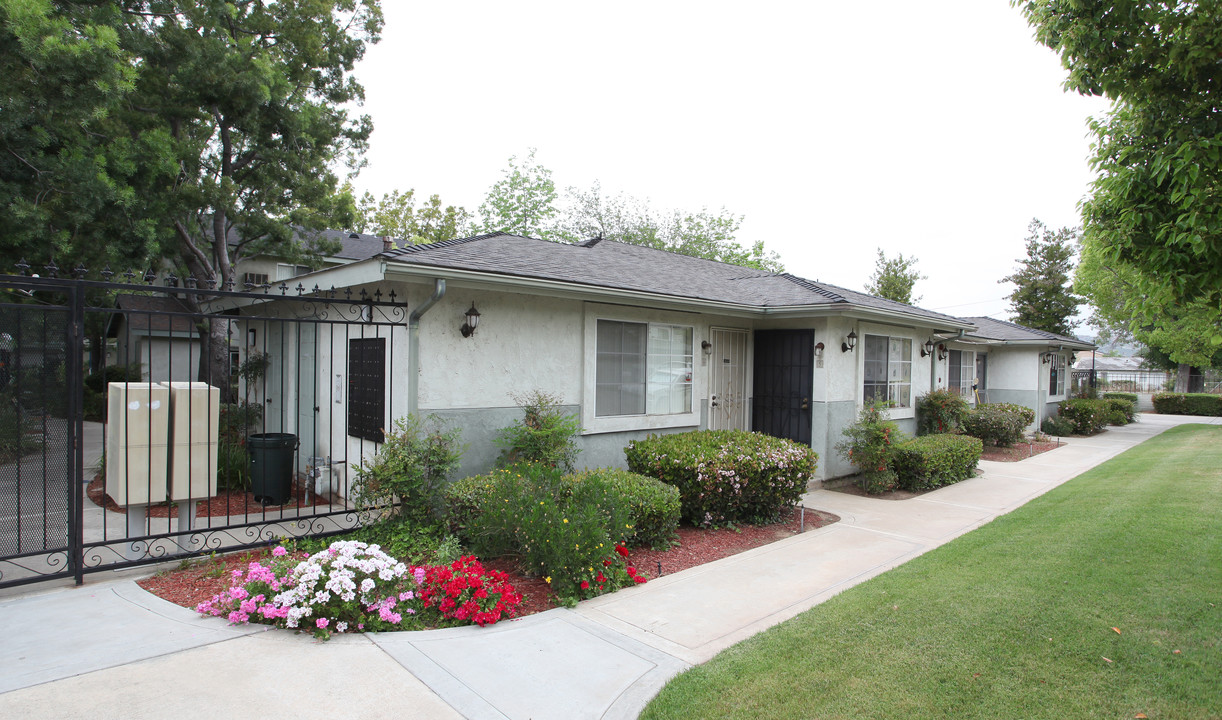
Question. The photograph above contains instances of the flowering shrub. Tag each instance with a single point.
(941, 411)
(1170, 403)
(561, 527)
(869, 447)
(349, 587)
(464, 590)
(999, 424)
(1088, 416)
(931, 461)
(726, 476)
(412, 467)
(652, 505)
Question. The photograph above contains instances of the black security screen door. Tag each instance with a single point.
(784, 368)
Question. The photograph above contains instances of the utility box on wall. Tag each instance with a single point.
(137, 447)
(195, 409)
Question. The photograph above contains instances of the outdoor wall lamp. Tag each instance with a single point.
(472, 316)
(849, 343)
(251, 337)
(927, 348)
(941, 351)
(818, 349)
(707, 347)
(1045, 358)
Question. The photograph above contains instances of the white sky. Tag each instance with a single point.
(933, 129)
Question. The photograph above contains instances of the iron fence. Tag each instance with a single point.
(147, 418)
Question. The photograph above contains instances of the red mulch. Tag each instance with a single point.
(203, 579)
(224, 503)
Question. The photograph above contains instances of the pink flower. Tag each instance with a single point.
(279, 551)
(322, 623)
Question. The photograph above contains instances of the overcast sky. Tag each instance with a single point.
(930, 129)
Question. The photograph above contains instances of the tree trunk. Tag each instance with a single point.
(1181, 378)
(214, 355)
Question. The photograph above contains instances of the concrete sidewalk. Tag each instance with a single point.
(110, 650)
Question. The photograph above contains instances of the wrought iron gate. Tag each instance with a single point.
(96, 474)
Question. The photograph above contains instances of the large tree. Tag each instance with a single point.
(66, 165)
(522, 202)
(1043, 296)
(1156, 205)
(396, 215)
(894, 278)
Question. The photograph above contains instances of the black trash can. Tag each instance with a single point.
(271, 466)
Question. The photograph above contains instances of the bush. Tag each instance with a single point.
(1088, 416)
(97, 387)
(562, 529)
(726, 476)
(999, 424)
(1058, 426)
(545, 434)
(931, 461)
(411, 467)
(1119, 412)
(869, 445)
(652, 505)
(941, 411)
(1125, 403)
(1188, 404)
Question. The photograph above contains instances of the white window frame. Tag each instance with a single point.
(592, 423)
(1058, 367)
(967, 373)
(896, 411)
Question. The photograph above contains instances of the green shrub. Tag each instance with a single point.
(1058, 426)
(1088, 416)
(941, 411)
(97, 387)
(14, 440)
(411, 467)
(1188, 404)
(869, 444)
(545, 434)
(932, 461)
(999, 424)
(1119, 412)
(726, 476)
(232, 458)
(562, 528)
(1125, 403)
(652, 505)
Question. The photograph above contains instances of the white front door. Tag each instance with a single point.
(728, 379)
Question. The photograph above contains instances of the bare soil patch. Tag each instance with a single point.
(199, 580)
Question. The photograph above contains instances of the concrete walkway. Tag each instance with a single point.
(110, 650)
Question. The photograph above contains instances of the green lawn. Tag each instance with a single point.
(1015, 620)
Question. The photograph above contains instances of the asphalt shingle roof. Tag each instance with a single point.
(621, 266)
(990, 329)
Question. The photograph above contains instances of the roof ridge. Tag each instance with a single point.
(814, 287)
(421, 247)
(1015, 325)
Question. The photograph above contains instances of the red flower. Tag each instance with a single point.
(585, 585)
(631, 571)
(601, 578)
(639, 578)
(623, 551)
(606, 563)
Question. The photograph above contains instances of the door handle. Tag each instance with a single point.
(806, 403)
(712, 401)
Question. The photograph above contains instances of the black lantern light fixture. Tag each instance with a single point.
(706, 347)
(472, 316)
(927, 348)
(942, 351)
(819, 349)
(849, 343)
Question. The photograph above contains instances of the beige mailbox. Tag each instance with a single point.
(195, 409)
(137, 434)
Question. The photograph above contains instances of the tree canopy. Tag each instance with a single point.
(1043, 297)
(396, 215)
(1155, 208)
(894, 278)
(522, 202)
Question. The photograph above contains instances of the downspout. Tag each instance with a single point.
(413, 345)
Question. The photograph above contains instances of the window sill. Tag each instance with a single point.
(628, 423)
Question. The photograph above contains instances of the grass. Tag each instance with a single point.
(1015, 620)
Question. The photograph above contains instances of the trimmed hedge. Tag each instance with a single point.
(999, 423)
(931, 461)
(652, 505)
(1131, 397)
(1188, 404)
(1119, 412)
(726, 476)
(1088, 416)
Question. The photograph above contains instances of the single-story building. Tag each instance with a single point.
(633, 341)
